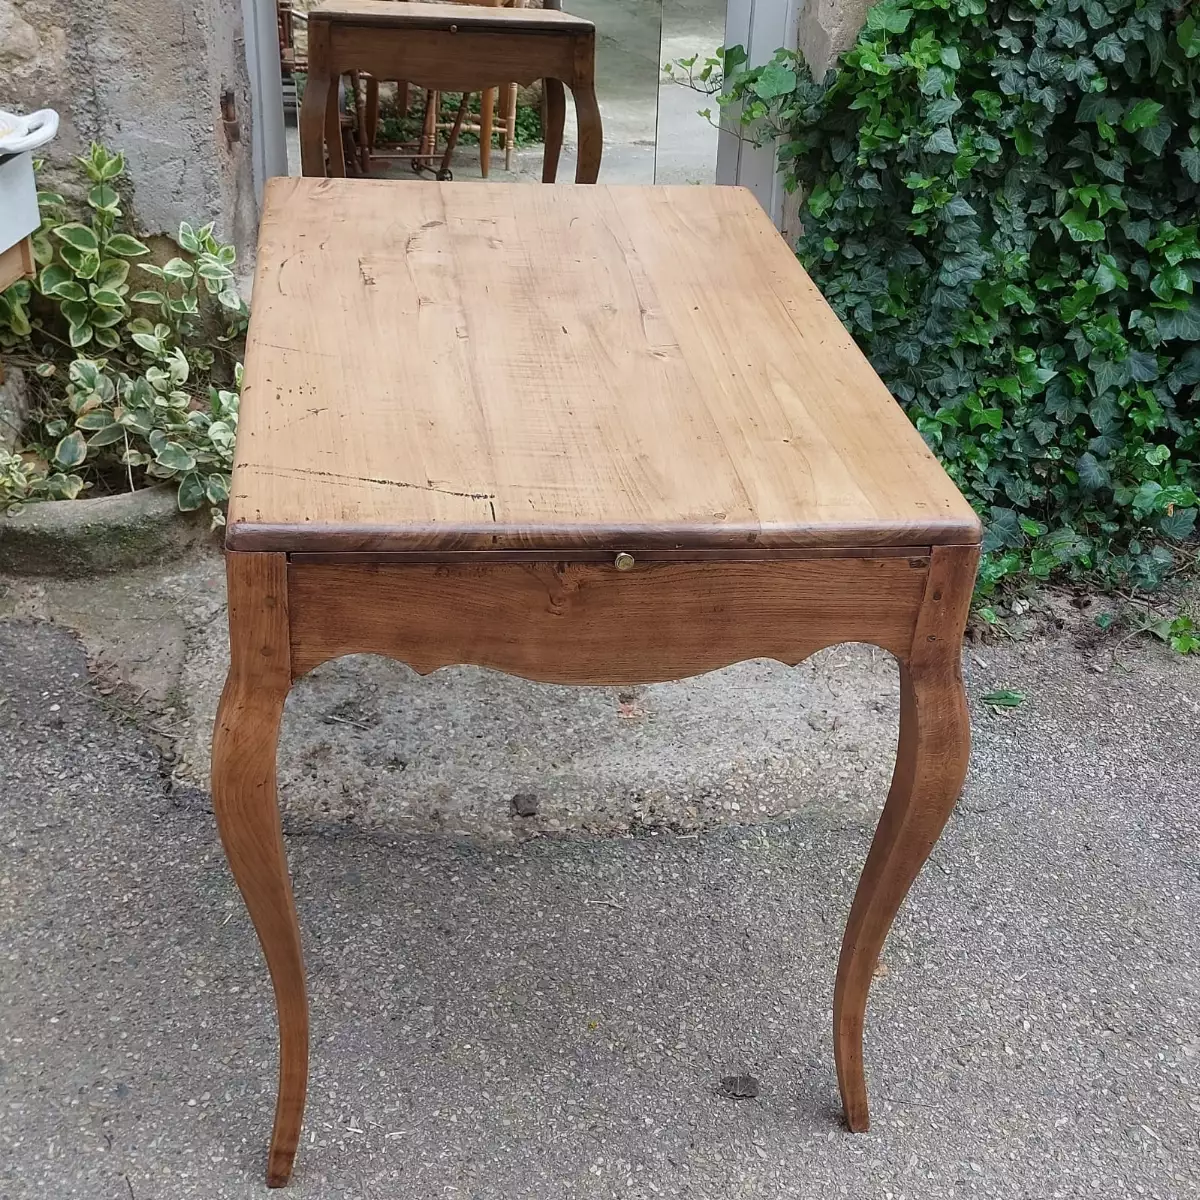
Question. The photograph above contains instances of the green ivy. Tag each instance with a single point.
(1001, 203)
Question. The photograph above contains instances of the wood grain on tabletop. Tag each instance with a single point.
(485, 15)
(450, 366)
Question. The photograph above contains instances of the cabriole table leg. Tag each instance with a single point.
(247, 812)
(931, 763)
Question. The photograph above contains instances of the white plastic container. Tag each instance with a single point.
(19, 137)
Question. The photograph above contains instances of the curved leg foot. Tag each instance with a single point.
(931, 763)
(554, 120)
(247, 812)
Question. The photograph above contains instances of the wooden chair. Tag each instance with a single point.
(484, 127)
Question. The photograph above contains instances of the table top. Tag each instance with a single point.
(444, 367)
(420, 14)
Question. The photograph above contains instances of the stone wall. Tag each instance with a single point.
(827, 28)
(145, 77)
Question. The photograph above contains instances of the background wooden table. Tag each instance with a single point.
(451, 48)
(583, 435)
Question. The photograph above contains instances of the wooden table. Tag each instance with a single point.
(16, 262)
(601, 435)
(451, 48)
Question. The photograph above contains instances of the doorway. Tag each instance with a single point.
(653, 131)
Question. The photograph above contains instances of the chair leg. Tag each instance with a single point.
(487, 113)
(372, 119)
(361, 133)
(931, 763)
(510, 125)
(428, 141)
(334, 138)
(247, 813)
(554, 119)
(452, 137)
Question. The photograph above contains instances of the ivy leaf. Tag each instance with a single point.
(191, 492)
(105, 199)
(1066, 545)
(1079, 70)
(941, 141)
(1003, 529)
(107, 435)
(70, 290)
(177, 268)
(1106, 279)
(71, 451)
(83, 263)
(1189, 159)
(942, 109)
(52, 278)
(1091, 474)
(79, 237)
(1188, 36)
(1179, 322)
(106, 298)
(125, 246)
(1141, 115)
(1155, 137)
(933, 81)
(1069, 33)
(1178, 524)
(1142, 366)
(1103, 412)
(890, 16)
(1080, 227)
(1187, 370)
(79, 335)
(775, 80)
(97, 418)
(187, 238)
(175, 457)
(216, 488)
(111, 273)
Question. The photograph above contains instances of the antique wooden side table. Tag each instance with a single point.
(603, 435)
(451, 48)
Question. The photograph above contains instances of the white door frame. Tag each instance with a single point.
(267, 143)
(761, 26)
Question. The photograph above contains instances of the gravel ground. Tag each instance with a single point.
(551, 1018)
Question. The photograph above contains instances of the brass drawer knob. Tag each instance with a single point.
(623, 561)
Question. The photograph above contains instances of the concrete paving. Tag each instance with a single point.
(366, 741)
(551, 1017)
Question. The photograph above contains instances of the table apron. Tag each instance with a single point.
(589, 623)
(467, 60)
